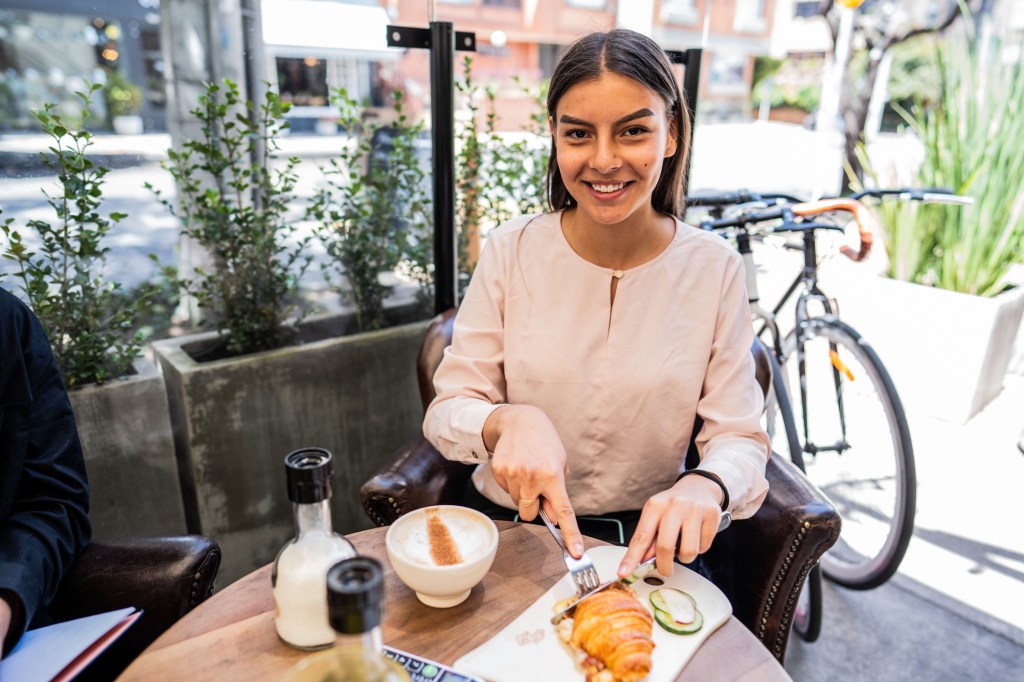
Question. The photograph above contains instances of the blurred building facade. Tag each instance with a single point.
(51, 48)
(524, 38)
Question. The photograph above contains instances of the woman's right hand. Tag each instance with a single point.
(530, 464)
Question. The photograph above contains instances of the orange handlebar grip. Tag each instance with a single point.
(866, 223)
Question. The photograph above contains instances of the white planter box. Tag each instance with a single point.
(128, 125)
(947, 352)
(125, 428)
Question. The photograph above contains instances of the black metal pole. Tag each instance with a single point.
(442, 116)
(691, 89)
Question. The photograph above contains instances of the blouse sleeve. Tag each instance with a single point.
(470, 381)
(732, 443)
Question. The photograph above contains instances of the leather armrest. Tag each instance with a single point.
(761, 562)
(417, 476)
(164, 576)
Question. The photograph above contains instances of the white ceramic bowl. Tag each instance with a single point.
(441, 586)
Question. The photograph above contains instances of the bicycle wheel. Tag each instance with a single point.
(807, 614)
(856, 449)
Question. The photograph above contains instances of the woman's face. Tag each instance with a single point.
(611, 136)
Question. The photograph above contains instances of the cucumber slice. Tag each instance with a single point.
(640, 572)
(666, 621)
(677, 603)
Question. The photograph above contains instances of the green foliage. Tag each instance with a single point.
(93, 326)
(972, 139)
(793, 82)
(468, 173)
(497, 176)
(124, 98)
(373, 214)
(915, 76)
(234, 205)
(764, 67)
(806, 97)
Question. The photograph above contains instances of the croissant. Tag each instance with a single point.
(613, 627)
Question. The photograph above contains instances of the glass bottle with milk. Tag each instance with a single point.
(301, 566)
(355, 595)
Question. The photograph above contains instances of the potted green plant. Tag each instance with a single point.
(118, 397)
(124, 103)
(264, 383)
(950, 266)
(372, 213)
(498, 175)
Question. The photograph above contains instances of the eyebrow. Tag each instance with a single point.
(639, 113)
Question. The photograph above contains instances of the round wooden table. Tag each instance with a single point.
(231, 636)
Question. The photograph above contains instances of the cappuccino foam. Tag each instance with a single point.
(419, 541)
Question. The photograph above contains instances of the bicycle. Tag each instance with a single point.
(823, 355)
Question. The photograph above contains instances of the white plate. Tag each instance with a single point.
(529, 649)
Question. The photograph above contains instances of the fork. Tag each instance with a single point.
(582, 570)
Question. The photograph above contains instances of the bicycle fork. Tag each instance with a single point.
(840, 371)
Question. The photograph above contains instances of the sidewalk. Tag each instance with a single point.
(153, 146)
(953, 612)
(19, 154)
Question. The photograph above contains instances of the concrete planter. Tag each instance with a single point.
(125, 429)
(235, 419)
(128, 125)
(947, 352)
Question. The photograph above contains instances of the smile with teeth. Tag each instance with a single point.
(608, 188)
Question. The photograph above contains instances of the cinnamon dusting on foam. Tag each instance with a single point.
(443, 549)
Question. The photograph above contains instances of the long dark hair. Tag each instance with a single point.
(633, 55)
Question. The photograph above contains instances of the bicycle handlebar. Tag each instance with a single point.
(928, 195)
(787, 206)
(937, 195)
(866, 223)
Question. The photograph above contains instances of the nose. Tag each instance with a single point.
(606, 157)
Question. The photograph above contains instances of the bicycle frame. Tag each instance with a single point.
(812, 293)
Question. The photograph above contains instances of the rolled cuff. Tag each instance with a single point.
(740, 463)
(456, 428)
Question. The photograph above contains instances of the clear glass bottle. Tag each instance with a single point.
(301, 566)
(355, 595)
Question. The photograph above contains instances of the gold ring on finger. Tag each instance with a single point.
(527, 503)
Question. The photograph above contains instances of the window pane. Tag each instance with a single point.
(303, 82)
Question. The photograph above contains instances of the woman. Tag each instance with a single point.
(592, 336)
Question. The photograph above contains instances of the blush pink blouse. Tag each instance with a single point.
(621, 383)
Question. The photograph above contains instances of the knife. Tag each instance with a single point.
(723, 523)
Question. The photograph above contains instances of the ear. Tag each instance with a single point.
(672, 143)
(551, 125)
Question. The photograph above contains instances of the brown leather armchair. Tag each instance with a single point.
(165, 577)
(759, 563)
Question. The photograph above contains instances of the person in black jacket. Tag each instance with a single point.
(44, 493)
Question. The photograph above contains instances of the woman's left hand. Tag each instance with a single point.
(687, 513)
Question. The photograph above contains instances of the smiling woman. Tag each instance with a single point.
(610, 159)
(592, 337)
